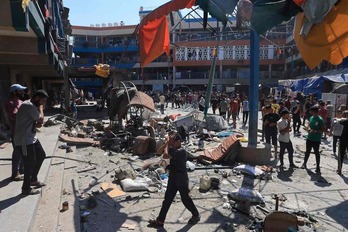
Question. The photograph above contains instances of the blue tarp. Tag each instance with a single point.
(314, 85)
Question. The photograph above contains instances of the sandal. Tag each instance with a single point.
(37, 184)
(30, 192)
(154, 223)
(17, 178)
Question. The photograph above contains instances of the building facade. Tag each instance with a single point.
(33, 44)
(190, 55)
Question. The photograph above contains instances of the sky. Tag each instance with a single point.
(87, 12)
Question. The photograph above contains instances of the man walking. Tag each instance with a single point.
(30, 116)
(245, 105)
(11, 107)
(234, 111)
(296, 115)
(178, 181)
(316, 127)
(284, 127)
(271, 131)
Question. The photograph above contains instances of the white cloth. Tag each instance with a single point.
(337, 127)
(284, 136)
(162, 100)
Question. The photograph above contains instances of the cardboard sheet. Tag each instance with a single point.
(112, 190)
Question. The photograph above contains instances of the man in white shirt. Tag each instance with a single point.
(284, 127)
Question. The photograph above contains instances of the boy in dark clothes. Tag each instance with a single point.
(178, 181)
(270, 126)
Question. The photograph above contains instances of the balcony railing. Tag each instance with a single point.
(267, 52)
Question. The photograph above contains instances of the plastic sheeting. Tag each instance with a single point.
(313, 85)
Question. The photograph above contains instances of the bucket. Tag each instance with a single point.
(205, 183)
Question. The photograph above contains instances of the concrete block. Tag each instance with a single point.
(260, 155)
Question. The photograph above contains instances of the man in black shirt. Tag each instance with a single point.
(343, 143)
(270, 126)
(307, 115)
(178, 181)
(296, 116)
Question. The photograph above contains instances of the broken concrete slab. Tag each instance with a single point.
(260, 155)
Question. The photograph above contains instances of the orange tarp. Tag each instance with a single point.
(154, 40)
(154, 31)
(325, 41)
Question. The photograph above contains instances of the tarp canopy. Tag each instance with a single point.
(325, 41)
(120, 103)
(314, 85)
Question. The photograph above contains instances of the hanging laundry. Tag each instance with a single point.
(315, 12)
(327, 40)
(270, 13)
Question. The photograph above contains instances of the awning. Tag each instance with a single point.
(270, 13)
(327, 40)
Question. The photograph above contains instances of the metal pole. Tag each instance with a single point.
(254, 87)
(67, 87)
(210, 83)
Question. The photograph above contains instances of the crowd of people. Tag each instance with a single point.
(320, 119)
(282, 117)
(229, 106)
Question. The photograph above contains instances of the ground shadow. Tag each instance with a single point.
(185, 228)
(10, 201)
(284, 175)
(345, 179)
(322, 182)
(339, 213)
(5, 182)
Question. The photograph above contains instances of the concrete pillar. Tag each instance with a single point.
(270, 70)
(174, 77)
(186, 55)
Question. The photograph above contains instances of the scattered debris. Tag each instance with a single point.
(245, 194)
(87, 169)
(249, 170)
(128, 226)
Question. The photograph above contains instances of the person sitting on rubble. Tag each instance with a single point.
(178, 181)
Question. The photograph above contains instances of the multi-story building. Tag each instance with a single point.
(190, 55)
(33, 44)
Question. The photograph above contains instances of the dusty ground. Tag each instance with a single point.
(323, 196)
